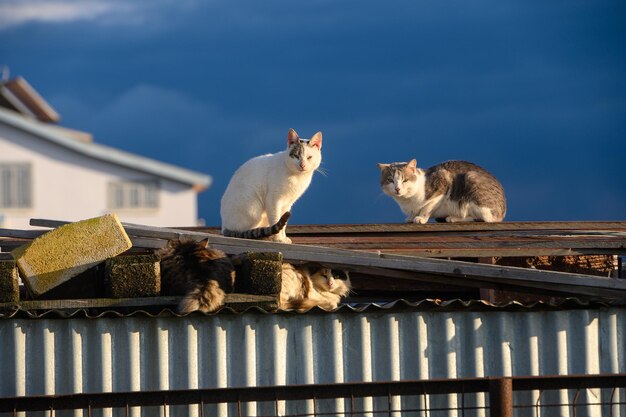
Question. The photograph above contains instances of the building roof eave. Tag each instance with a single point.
(108, 154)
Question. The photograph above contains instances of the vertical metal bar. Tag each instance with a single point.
(238, 408)
(351, 405)
(127, 410)
(388, 404)
(501, 397)
(537, 406)
(611, 402)
(164, 409)
(425, 406)
(314, 407)
(201, 408)
(463, 402)
(574, 402)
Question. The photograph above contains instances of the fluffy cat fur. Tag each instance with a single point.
(452, 191)
(202, 274)
(267, 186)
(305, 287)
(260, 232)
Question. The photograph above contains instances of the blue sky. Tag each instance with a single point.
(533, 91)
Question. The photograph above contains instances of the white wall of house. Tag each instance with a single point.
(71, 186)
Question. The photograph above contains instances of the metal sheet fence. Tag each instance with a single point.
(139, 353)
(500, 390)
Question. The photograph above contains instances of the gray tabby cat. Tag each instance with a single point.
(452, 191)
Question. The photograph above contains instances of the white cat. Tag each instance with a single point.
(265, 187)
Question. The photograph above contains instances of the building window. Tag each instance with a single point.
(134, 195)
(16, 186)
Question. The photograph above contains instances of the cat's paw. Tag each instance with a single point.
(420, 220)
(451, 219)
(280, 239)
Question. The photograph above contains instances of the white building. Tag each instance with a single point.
(51, 172)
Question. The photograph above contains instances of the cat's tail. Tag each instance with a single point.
(260, 232)
(206, 298)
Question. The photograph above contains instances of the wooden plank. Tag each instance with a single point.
(136, 230)
(235, 301)
(21, 234)
(549, 280)
(477, 253)
(576, 283)
(477, 243)
(515, 243)
(442, 227)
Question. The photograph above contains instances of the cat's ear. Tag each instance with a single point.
(204, 242)
(382, 166)
(292, 137)
(412, 165)
(316, 140)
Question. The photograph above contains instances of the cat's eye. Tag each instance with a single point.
(405, 180)
(309, 157)
(389, 179)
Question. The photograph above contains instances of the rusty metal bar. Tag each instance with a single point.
(501, 397)
(304, 392)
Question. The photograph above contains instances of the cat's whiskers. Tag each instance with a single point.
(322, 171)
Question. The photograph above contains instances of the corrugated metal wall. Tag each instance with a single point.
(61, 356)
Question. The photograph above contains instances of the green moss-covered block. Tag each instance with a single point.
(65, 252)
(132, 276)
(260, 273)
(9, 282)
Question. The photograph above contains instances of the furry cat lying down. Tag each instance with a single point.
(203, 275)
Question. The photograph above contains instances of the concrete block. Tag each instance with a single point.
(59, 255)
(132, 276)
(87, 284)
(259, 273)
(9, 282)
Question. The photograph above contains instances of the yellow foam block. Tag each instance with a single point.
(60, 254)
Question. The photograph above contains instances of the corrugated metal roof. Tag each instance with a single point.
(111, 354)
(392, 306)
(105, 153)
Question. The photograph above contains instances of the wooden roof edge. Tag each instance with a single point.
(607, 226)
(460, 227)
(30, 101)
(441, 269)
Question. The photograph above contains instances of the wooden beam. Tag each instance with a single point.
(444, 227)
(561, 282)
(235, 301)
(21, 234)
(454, 242)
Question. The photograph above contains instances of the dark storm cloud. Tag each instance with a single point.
(533, 91)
